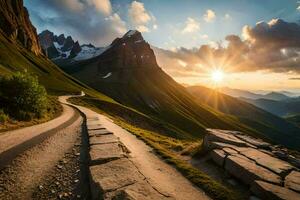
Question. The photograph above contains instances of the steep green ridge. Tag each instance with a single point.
(271, 126)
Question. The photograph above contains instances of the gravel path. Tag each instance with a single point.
(54, 160)
(163, 177)
(13, 143)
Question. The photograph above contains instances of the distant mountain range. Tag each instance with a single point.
(59, 48)
(277, 96)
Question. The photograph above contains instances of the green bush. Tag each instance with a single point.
(22, 96)
(3, 117)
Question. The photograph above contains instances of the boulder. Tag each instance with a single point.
(215, 135)
(102, 153)
(247, 170)
(218, 156)
(256, 142)
(274, 164)
(103, 139)
(269, 191)
(292, 181)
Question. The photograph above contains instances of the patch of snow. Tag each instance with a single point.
(107, 75)
(57, 46)
(89, 52)
(138, 41)
(131, 33)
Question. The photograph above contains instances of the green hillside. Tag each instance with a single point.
(14, 57)
(269, 125)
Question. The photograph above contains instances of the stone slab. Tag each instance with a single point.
(95, 127)
(215, 135)
(256, 142)
(274, 164)
(137, 191)
(229, 151)
(292, 181)
(103, 139)
(247, 171)
(269, 191)
(218, 156)
(112, 176)
(101, 153)
(99, 132)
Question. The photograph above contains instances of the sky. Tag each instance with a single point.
(255, 43)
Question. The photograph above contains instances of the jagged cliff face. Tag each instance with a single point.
(16, 25)
(130, 51)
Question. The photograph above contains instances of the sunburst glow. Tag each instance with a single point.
(217, 76)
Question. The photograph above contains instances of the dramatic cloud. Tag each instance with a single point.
(140, 17)
(209, 16)
(103, 6)
(272, 46)
(86, 20)
(191, 26)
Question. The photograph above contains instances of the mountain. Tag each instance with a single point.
(20, 51)
(16, 26)
(275, 128)
(58, 48)
(128, 72)
(275, 96)
(251, 95)
(281, 108)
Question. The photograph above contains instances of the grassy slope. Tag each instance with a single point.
(271, 126)
(14, 58)
(159, 136)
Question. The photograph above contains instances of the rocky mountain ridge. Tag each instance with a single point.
(59, 47)
(16, 25)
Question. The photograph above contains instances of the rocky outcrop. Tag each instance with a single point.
(58, 47)
(125, 56)
(254, 162)
(16, 25)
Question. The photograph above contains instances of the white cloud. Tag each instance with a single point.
(103, 6)
(204, 36)
(227, 17)
(138, 13)
(140, 17)
(117, 24)
(298, 8)
(209, 16)
(142, 28)
(191, 25)
(73, 5)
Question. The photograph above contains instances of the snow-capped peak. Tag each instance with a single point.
(130, 33)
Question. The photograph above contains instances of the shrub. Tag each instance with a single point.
(3, 117)
(23, 96)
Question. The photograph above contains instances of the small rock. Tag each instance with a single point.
(57, 183)
(59, 166)
(78, 196)
(76, 181)
(60, 196)
(41, 187)
(77, 154)
(52, 191)
(78, 170)
(66, 194)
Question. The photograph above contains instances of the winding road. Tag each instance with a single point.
(42, 146)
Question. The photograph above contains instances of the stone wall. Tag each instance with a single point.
(268, 170)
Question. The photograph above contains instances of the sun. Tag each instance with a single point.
(217, 76)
